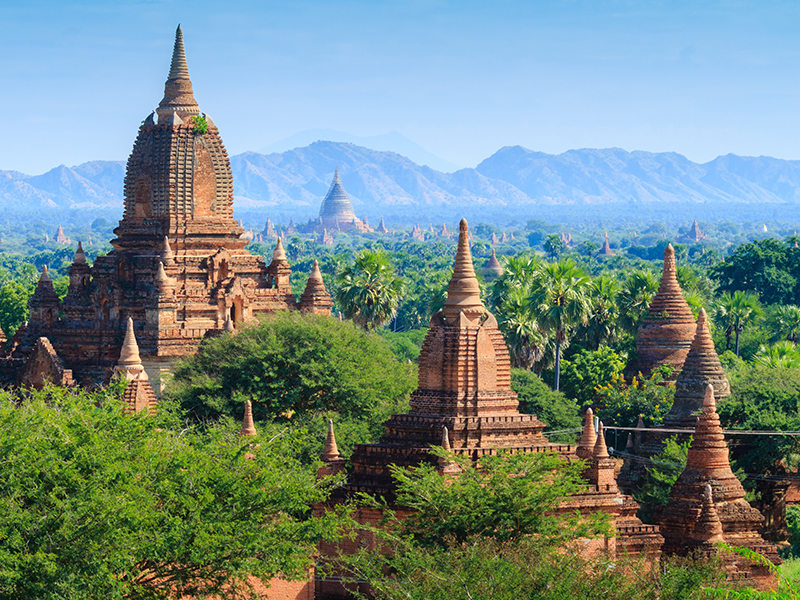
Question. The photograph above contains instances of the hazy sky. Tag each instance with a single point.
(460, 78)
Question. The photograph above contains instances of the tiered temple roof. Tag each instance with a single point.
(701, 368)
(682, 522)
(178, 210)
(666, 333)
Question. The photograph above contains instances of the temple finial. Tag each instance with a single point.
(178, 68)
(331, 451)
(80, 255)
(463, 292)
(129, 355)
(248, 427)
(600, 449)
(279, 253)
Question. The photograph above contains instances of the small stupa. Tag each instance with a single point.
(139, 394)
(315, 298)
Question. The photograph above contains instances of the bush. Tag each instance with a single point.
(589, 370)
(293, 365)
(621, 403)
(555, 409)
(405, 345)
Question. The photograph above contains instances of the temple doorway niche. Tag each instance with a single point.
(223, 270)
(49, 317)
(237, 311)
(143, 199)
(105, 310)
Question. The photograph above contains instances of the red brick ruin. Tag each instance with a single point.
(178, 269)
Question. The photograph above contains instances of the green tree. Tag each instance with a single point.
(292, 364)
(623, 402)
(560, 301)
(554, 409)
(659, 478)
(525, 339)
(738, 310)
(764, 267)
(14, 296)
(603, 327)
(783, 322)
(783, 354)
(103, 504)
(369, 291)
(635, 297)
(589, 370)
(554, 245)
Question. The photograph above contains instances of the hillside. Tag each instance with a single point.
(382, 181)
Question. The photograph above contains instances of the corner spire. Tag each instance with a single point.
(129, 355)
(331, 450)
(279, 253)
(600, 449)
(589, 438)
(248, 427)
(463, 292)
(80, 255)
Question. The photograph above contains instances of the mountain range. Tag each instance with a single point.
(294, 181)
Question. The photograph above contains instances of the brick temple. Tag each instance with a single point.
(667, 331)
(465, 403)
(178, 270)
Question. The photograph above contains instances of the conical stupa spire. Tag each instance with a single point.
(80, 255)
(589, 437)
(129, 354)
(315, 297)
(463, 292)
(445, 439)
(493, 266)
(167, 256)
(178, 69)
(229, 325)
(708, 528)
(178, 96)
(701, 368)
(45, 276)
(600, 449)
(248, 427)
(331, 450)
(279, 253)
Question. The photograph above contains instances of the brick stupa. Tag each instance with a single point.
(666, 333)
(139, 394)
(701, 368)
(493, 268)
(682, 523)
(178, 211)
(464, 402)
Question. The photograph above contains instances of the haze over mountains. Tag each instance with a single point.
(294, 181)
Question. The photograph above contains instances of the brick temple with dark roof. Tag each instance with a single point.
(178, 269)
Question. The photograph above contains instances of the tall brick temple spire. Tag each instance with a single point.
(178, 94)
(666, 333)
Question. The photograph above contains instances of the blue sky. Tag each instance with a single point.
(460, 78)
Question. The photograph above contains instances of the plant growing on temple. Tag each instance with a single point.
(97, 503)
(368, 291)
(560, 301)
(290, 365)
(200, 125)
(621, 403)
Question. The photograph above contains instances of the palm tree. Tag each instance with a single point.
(637, 293)
(560, 301)
(602, 328)
(784, 322)
(782, 354)
(736, 311)
(369, 291)
(522, 333)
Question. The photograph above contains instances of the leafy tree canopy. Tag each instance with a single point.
(555, 409)
(293, 364)
(96, 503)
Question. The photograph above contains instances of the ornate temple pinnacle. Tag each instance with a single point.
(331, 450)
(463, 292)
(600, 449)
(248, 427)
(129, 354)
(178, 68)
(178, 95)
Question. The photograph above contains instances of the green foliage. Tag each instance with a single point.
(555, 409)
(659, 478)
(622, 403)
(96, 503)
(793, 525)
(486, 533)
(369, 291)
(405, 345)
(764, 398)
(587, 371)
(200, 124)
(554, 245)
(14, 296)
(769, 268)
(293, 364)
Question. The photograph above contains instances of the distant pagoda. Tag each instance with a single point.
(336, 212)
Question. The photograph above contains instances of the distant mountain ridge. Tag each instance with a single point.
(297, 179)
